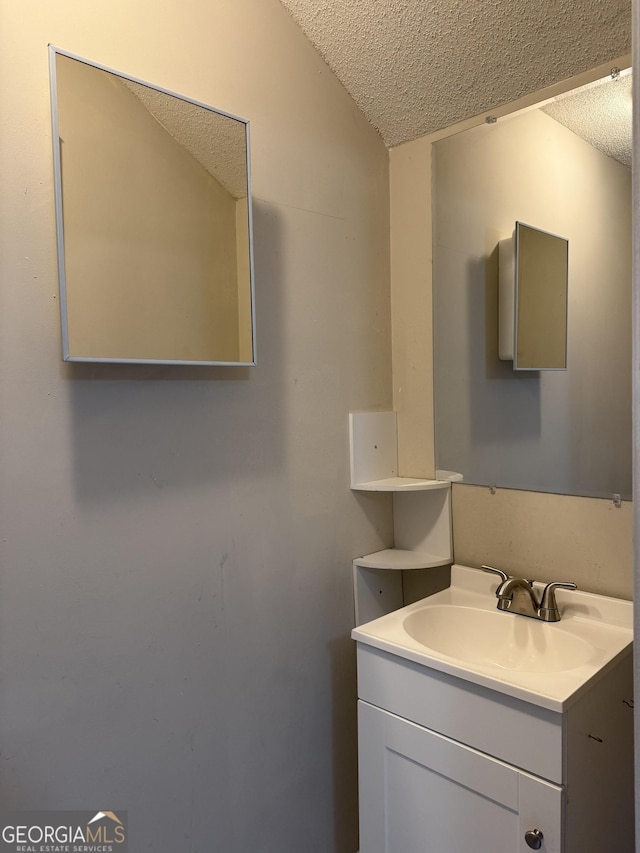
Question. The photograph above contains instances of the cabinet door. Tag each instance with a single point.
(421, 792)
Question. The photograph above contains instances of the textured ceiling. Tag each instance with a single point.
(600, 114)
(215, 140)
(416, 66)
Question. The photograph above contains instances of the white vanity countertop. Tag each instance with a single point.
(525, 660)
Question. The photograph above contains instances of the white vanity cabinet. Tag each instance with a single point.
(425, 792)
(447, 766)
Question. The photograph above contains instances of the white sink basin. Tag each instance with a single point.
(487, 637)
(459, 631)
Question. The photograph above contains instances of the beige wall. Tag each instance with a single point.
(176, 543)
(546, 537)
(411, 257)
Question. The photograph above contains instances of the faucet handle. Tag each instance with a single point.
(503, 575)
(548, 605)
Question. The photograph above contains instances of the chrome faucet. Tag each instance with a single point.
(517, 595)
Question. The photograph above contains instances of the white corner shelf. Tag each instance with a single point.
(450, 476)
(421, 532)
(399, 484)
(373, 444)
(399, 559)
(421, 515)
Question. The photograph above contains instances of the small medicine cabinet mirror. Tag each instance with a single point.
(153, 214)
(533, 289)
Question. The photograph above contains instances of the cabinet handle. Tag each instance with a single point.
(534, 837)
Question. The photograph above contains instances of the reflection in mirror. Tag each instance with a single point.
(565, 431)
(532, 305)
(153, 214)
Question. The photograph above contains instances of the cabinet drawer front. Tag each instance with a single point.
(458, 763)
(514, 731)
(423, 793)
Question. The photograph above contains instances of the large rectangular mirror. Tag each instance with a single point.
(153, 212)
(565, 168)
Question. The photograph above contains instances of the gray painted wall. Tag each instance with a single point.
(176, 544)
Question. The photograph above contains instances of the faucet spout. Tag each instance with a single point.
(518, 596)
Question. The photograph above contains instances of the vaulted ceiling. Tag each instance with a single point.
(416, 66)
